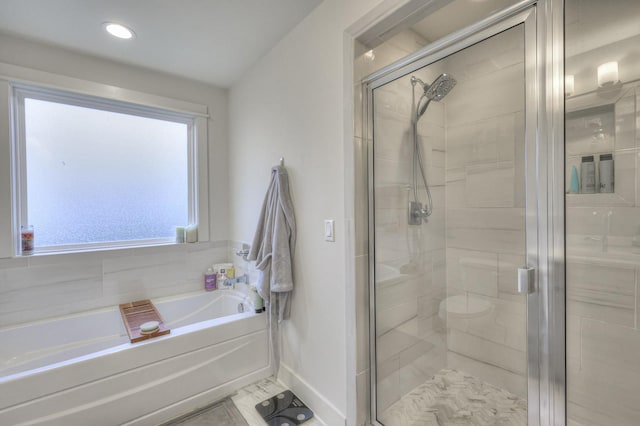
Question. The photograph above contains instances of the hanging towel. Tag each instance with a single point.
(273, 249)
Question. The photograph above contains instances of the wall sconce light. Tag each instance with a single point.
(608, 74)
(568, 85)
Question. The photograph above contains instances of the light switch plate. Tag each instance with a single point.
(329, 230)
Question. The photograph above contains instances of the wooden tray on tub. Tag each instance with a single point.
(135, 314)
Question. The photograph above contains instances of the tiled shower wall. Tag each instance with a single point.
(485, 196)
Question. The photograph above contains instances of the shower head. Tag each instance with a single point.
(435, 91)
(440, 87)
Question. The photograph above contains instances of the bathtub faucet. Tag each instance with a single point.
(243, 252)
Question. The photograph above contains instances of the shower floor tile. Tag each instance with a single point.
(453, 398)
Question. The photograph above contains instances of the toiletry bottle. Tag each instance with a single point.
(27, 239)
(606, 173)
(222, 279)
(588, 175)
(575, 184)
(228, 269)
(210, 280)
(231, 271)
(258, 303)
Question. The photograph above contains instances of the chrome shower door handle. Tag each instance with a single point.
(526, 280)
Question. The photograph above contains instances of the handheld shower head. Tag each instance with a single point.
(435, 91)
(440, 87)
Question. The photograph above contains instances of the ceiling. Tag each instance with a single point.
(214, 41)
(456, 15)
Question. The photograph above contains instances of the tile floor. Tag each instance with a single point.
(243, 403)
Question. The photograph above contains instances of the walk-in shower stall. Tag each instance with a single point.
(468, 253)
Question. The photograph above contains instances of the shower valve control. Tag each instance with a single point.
(415, 213)
(526, 280)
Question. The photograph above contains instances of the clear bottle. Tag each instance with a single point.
(222, 279)
(588, 175)
(258, 303)
(606, 173)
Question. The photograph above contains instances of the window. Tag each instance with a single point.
(97, 173)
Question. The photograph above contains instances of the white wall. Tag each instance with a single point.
(37, 287)
(293, 104)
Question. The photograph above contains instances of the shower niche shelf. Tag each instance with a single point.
(590, 132)
(603, 122)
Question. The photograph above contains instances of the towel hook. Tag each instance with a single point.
(282, 161)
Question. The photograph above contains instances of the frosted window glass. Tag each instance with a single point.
(100, 176)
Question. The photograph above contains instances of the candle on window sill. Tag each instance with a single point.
(180, 234)
(191, 233)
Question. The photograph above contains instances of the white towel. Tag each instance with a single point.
(273, 250)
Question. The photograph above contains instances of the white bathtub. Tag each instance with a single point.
(81, 369)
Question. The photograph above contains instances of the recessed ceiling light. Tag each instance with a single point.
(118, 30)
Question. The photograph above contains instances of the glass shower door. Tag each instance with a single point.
(450, 207)
(602, 208)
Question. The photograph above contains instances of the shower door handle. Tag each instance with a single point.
(526, 280)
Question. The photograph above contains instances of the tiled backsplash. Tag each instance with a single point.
(40, 287)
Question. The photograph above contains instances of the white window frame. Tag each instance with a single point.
(13, 207)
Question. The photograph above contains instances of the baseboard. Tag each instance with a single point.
(323, 409)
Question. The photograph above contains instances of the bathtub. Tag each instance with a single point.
(81, 369)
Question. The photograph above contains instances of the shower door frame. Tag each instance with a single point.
(543, 22)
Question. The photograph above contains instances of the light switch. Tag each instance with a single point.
(329, 230)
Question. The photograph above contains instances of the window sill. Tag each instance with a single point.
(134, 246)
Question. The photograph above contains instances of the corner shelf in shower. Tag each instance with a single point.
(134, 314)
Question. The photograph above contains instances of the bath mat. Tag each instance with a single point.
(224, 413)
(284, 409)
